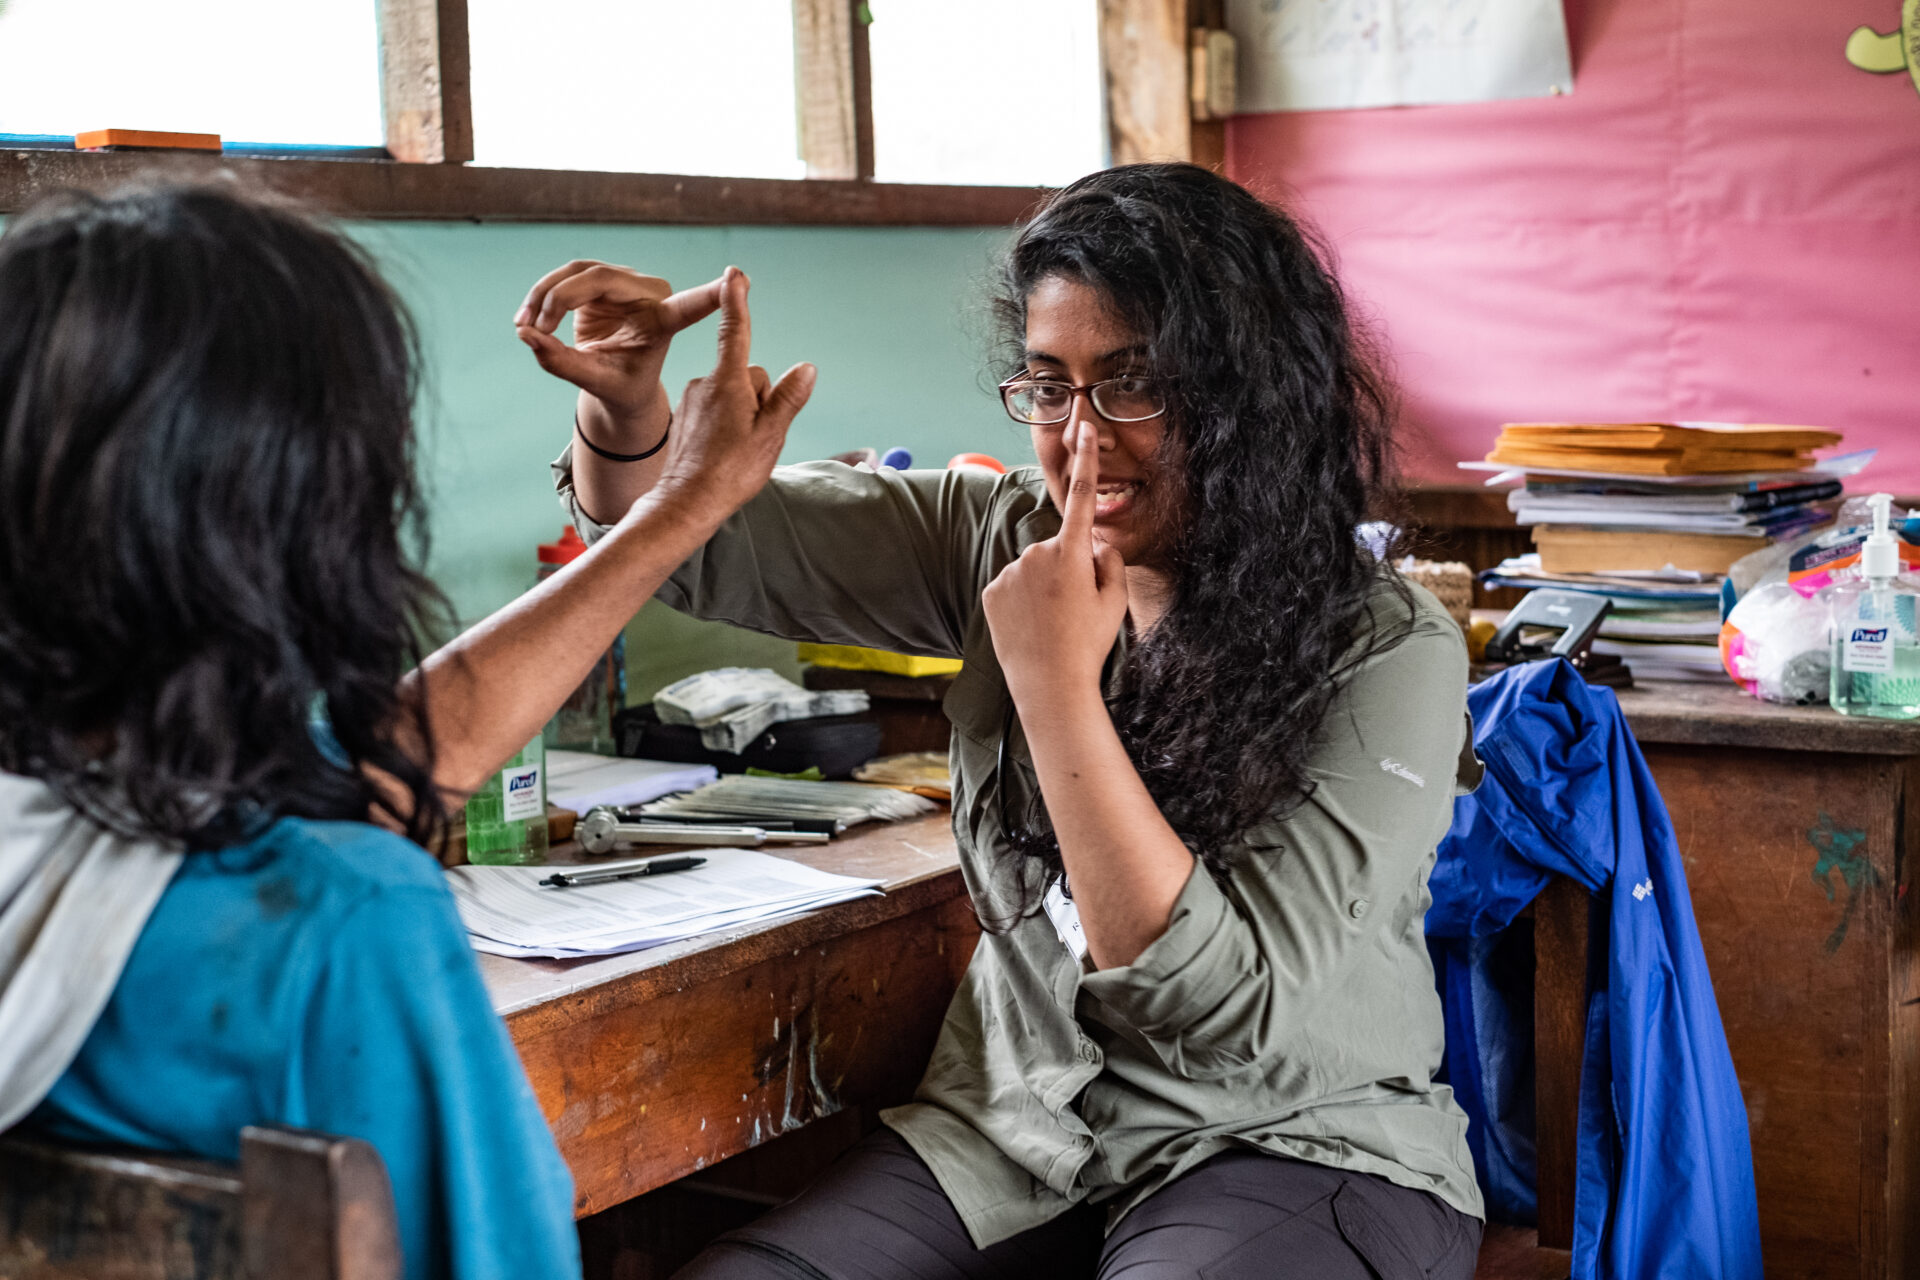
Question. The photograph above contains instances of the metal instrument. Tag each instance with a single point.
(603, 831)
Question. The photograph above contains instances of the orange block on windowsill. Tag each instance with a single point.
(98, 139)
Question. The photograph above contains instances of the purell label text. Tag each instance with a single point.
(520, 793)
(1868, 650)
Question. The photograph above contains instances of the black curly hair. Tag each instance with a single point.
(1278, 424)
(207, 498)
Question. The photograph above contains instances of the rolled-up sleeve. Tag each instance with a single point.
(1243, 964)
(837, 555)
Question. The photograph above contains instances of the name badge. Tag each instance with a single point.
(1066, 920)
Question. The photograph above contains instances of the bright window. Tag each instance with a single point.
(636, 86)
(278, 71)
(989, 93)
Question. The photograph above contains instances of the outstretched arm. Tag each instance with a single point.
(489, 691)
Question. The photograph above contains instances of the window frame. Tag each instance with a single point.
(426, 101)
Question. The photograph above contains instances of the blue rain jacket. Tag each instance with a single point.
(1665, 1173)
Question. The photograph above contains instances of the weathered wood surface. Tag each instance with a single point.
(1720, 715)
(1513, 1253)
(654, 1065)
(300, 1206)
(386, 189)
(426, 81)
(1797, 872)
(824, 33)
(1143, 46)
(1560, 927)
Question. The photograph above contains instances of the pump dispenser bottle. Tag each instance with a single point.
(1876, 645)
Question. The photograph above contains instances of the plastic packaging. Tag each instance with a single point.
(507, 818)
(1774, 645)
(1876, 636)
(1834, 556)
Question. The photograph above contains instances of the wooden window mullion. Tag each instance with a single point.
(833, 85)
(426, 81)
(862, 90)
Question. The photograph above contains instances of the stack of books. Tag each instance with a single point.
(1654, 515)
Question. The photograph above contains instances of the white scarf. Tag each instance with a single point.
(74, 897)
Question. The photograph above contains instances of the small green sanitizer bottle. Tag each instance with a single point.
(507, 818)
(1876, 635)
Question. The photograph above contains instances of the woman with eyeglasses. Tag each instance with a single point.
(1204, 747)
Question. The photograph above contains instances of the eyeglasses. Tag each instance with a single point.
(1039, 402)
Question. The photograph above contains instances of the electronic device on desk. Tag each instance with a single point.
(1555, 624)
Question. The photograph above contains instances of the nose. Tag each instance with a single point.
(1085, 415)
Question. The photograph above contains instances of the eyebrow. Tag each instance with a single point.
(1136, 349)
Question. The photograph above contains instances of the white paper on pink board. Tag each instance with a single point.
(1315, 55)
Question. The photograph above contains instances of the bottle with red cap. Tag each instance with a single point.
(585, 722)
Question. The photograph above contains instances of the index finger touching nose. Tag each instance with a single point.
(1083, 484)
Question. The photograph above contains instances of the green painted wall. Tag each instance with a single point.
(894, 318)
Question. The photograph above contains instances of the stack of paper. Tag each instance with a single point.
(746, 798)
(579, 780)
(1652, 660)
(1660, 448)
(1654, 515)
(1664, 623)
(508, 912)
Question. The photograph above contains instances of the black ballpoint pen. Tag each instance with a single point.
(605, 875)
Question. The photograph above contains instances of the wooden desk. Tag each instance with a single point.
(655, 1064)
(1794, 825)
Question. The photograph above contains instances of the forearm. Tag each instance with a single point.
(489, 691)
(607, 489)
(1125, 864)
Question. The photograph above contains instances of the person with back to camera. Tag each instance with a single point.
(1194, 710)
(206, 499)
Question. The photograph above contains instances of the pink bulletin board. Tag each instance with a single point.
(1721, 223)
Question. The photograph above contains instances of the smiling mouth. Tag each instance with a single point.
(1112, 498)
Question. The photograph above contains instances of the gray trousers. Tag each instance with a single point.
(878, 1214)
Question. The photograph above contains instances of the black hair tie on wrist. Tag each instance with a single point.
(611, 456)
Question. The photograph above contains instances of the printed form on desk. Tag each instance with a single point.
(508, 912)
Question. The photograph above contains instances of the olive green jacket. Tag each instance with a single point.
(1289, 1009)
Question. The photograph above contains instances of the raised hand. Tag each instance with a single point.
(1055, 611)
(732, 423)
(623, 323)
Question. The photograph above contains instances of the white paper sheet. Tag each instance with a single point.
(579, 780)
(508, 912)
(1838, 467)
(1316, 55)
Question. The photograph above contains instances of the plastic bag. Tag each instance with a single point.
(1774, 645)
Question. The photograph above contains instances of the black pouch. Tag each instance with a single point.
(836, 745)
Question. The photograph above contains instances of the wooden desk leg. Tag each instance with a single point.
(1560, 925)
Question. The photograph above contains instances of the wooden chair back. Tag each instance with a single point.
(299, 1206)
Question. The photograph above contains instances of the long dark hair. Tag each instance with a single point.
(206, 497)
(1278, 424)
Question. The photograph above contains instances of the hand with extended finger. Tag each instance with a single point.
(732, 423)
(623, 323)
(1054, 612)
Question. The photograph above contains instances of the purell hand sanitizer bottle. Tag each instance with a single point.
(1876, 646)
(507, 818)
